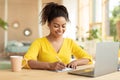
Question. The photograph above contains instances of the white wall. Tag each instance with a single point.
(72, 10)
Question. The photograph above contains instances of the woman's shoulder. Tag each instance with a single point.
(68, 39)
(40, 39)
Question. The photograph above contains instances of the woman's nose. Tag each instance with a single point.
(60, 29)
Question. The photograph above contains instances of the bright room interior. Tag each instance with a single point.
(91, 21)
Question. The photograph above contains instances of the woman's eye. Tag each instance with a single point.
(56, 26)
(63, 26)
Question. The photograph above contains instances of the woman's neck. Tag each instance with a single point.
(52, 38)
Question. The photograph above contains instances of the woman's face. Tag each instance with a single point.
(57, 26)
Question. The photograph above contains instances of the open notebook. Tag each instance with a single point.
(63, 70)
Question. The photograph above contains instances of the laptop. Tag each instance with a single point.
(106, 60)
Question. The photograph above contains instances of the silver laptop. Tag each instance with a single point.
(106, 60)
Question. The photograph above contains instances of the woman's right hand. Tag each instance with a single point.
(56, 66)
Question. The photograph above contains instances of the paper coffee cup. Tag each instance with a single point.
(16, 63)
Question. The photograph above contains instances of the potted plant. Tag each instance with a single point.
(93, 37)
(3, 24)
(94, 34)
(114, 23)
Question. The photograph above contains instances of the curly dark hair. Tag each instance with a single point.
(53, 10)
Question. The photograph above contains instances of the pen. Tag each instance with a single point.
(58, 59)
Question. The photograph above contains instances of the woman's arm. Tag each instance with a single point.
(78, 62)
(45, 65)
(81, 55)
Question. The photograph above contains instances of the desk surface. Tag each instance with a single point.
(50, 75)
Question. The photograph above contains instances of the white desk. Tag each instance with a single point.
(50, 75)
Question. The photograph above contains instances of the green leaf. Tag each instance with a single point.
(3, 24)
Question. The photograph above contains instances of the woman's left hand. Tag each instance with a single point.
(78, 62)
(73, 64)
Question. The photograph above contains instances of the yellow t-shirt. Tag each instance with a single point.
(42, 50)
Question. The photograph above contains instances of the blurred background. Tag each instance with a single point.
(91, 21)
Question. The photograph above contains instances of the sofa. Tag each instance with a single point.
(17, 47)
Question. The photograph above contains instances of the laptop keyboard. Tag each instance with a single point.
(88, 73)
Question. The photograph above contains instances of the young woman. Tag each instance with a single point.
(53, 52)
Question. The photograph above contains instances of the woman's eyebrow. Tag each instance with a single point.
(59, 24)
(56, 23)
